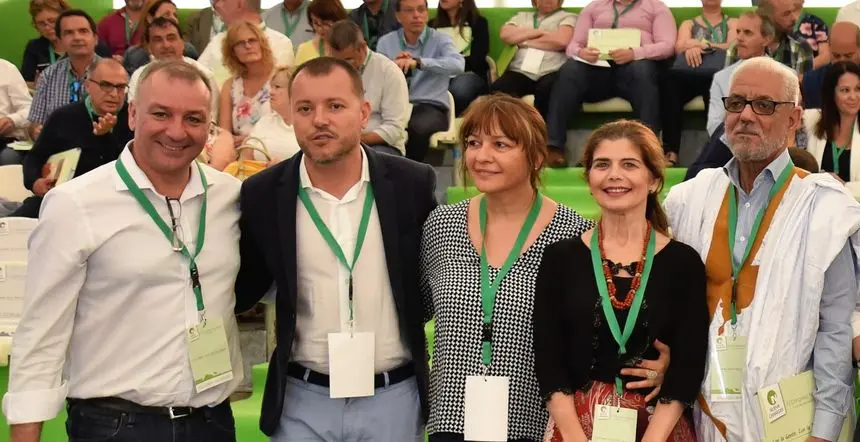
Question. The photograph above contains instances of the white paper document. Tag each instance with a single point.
(598, 63)
(486, 413)
(350, 364)
(14, 233)
(608, 40)
(532, 60)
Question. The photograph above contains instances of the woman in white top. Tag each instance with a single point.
(275, 129)
(833, 128)
(245, 96)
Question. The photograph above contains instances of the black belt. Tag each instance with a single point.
(399, 374)
(122, 405)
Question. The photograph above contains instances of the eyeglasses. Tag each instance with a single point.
(175, 215)
(249, 43)
(761, 106)
(45, 23)
(108, 87)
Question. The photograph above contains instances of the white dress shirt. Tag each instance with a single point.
(282, 49)
(849, 13)
(134, 82)
(15, 99)
(278, 137)
(323, 282)
(107, 300)
(386, 90)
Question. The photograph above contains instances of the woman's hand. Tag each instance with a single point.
(693, 56)
(653, 372)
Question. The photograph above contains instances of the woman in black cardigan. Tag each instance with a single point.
(470, 32)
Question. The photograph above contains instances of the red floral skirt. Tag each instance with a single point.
(602, 393)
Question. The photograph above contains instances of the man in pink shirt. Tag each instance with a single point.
(632, 73)
(120, 29)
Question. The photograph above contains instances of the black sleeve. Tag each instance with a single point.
(551, 334)
(254, 279)
(477, 59)
(689, 339)
(103, 50)
(48, 143)
(30, 61)
(429, 203)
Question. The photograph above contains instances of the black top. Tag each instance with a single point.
(377, 25)
(70, 127)
(844, 162)
(573, 344)
(37, 56)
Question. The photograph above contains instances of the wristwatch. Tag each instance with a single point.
(417, 63)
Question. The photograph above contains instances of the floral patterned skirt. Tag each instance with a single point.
(603, 393)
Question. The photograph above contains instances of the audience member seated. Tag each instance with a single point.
(542, 34)
(755, 33)
(833, 129)
(97, 125)
(376, 18)
(701, 41)
(850, 13)
(384, 87)
(812, 29)
(632, 73)
(245, 96)
(45, 50)
(322, 14)
(715, 153)
(462, 21)
(290, 18)
(275, 129)
(63, 82)
(788, 50)
(429, 59)
(803, 159)
(120, 29)
(844, 46)
(137, 56)
(203, 25)
(241, 11)
(163, 41)
(15, 103)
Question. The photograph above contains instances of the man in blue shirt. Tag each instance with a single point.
(844, 46)
(429, 59)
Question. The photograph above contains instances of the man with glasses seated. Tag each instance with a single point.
(63, 82)
(98, 125)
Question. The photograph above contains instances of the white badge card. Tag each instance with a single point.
(486, 413)
(614, 424)
(727, 367)
(350, 364)
(209, 354)
(532, 60)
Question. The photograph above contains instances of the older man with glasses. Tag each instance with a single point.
(97, 125)
(781, 307)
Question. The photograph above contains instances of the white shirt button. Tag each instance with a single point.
(743, 238)
(747, 205)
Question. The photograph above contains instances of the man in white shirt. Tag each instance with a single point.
(337, 228)
(163, 39)
(15, 103)
(126, 312)
(384, 87)
(850, 13)
(290, 18)
(235, 11)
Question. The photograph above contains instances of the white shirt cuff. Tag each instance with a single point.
(34, 406)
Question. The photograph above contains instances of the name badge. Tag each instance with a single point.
(614, 424)
(350, 364)
(209, 354)
(727, 368)
(486, 413)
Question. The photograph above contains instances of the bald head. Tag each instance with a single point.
(106, 86)
(844, 42)
(106, 65)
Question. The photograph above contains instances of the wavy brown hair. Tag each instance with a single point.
(37, 6)
(491, 114)
(236, 67)
(651, 150)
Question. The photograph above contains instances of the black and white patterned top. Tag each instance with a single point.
(451, 288)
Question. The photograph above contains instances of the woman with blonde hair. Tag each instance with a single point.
(245, 96)
(605, 297)
(275, 130)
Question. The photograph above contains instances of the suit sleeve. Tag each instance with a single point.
(254, 278)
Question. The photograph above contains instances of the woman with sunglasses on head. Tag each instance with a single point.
(602, 300)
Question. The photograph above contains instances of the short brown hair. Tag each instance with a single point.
(285, 72)
(236, 67)
(767, 28)
(649, 146)
(328, 10)
(38, 6)
(160, 23)
(321, 66)
(345, 34)
(518, 121)
(173, 69)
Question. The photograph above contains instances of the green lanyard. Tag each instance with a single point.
(332, 243)
(724, 29)
(733, 225)
(365, 28)
(536, 22)
(364, 64)
(51, 54)
(621, 337)
(836, 151)
(490, 289)
(321, 48)
(129, 29)
(617, 15)
(290, 27)
(168, 233)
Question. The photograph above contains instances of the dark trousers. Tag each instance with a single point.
(454, 437)
(29, 208)
(577, 83)
(678, 88)
(426, 120)
(465, 88)
(518, 85)
(90, 423)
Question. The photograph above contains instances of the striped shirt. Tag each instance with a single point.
(53, 89)
(797, 55)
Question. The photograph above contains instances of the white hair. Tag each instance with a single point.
(790, 81)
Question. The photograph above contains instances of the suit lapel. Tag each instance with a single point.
(386, 206)
(287, 196)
